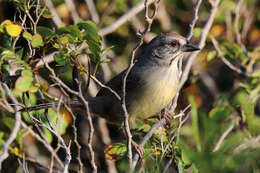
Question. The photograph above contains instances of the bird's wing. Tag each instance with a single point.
(133, 81)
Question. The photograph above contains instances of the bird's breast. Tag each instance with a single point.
(158, 88)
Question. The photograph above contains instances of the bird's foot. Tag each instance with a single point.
(139, 149)
(168, 117)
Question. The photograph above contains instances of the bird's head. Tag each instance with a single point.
(167, 47)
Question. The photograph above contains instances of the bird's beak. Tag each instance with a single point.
(189, 47)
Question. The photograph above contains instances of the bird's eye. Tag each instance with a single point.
(173, 44)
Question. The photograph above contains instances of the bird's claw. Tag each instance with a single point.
(139, 149)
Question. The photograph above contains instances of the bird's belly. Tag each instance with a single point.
(151, 99)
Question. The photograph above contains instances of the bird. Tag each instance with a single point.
(151, 84)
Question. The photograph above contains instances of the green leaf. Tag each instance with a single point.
(64, 40)
(23, 83)
(37, 41)
(27, 73)
(90, 29)
(74, 31)
(9, 122)
(197, 32)
(44, 31)
(27, 36)
(47, 134)
(61, 59)
(256, 73)
(211, 55)
(195, 122)
(46, 14)
(220, 112)
(115, 151)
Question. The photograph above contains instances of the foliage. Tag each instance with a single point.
(222, 131)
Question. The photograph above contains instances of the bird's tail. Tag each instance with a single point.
(50, 105)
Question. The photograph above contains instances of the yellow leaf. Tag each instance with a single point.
(13, 29)
(6, 22)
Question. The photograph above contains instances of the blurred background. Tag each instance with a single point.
(220, 134)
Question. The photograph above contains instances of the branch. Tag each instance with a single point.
(161, 123)
(55, 17)
(224, 135)
(224, 60)
(92, 10)
(149, 21)
(184, 77)
(127, 16)
(71, 6)
(16, 128)
(202, 41)
(194, 20)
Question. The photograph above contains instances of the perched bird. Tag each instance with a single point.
(151, 84)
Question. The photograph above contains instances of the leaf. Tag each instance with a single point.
(33, 89)
(195, 122)
(90, 28)
(9, 122)
(211, 55)
(61, 59)
(44, 31)
(256, 73)
(37, 41)
(13, 29)
(47, 134)
(197, 32)
(220, 112)
(46, 14)
(64, 40)
(27, 36)
(27, 73)
(74, 31)
(115, 151)
(23, 83)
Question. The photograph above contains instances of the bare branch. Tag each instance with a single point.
(127, 16)
(224, 60)
(92, 10)
(202, 42)
(194, 20)
(76, 138)
(184, 76)
(107, 87)
(161, 123)
(236, 24)
(55, 17)
(72, 8)
(224, 135)
(149, 21)
(16, 127)
(91, 133)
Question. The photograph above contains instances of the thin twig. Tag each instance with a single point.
(194, 20)
(224, 135)
(55, 17)
(236, 25)
(128, 15)
(92, 10)
(91, 133)
(202, 42)
(72, 8)
(224, 60)
(44, 142)
(16, 127)
(184, 77)
(75, 138)
(161, 123)
(105, 86)
(149, 21)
